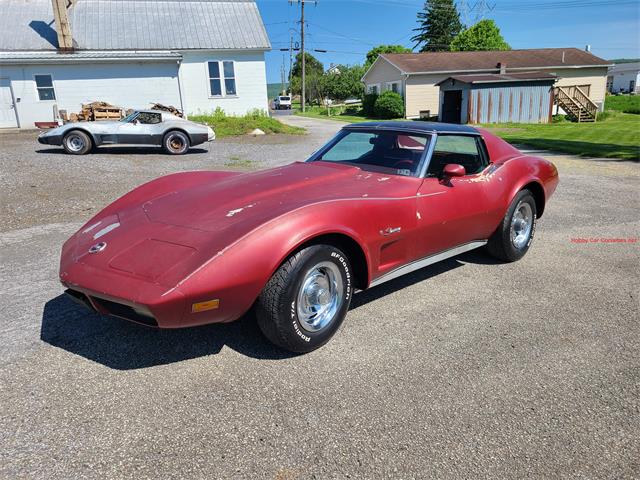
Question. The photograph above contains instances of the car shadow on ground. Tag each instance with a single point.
(123, 345)
(478, 257)
(124, 151)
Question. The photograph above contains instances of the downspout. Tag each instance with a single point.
(404, 81)
(184, 114)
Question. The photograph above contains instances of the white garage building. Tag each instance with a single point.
(196, 55)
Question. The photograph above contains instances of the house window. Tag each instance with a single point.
(373, 89)
(394, 87)
(221, 73)
(215, 86)
(229, 78)
(44, 85)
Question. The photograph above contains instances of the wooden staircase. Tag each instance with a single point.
(578, 106)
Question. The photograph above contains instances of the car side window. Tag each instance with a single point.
(463, 150)
(149, 118)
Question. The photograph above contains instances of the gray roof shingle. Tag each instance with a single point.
(477, 61)
(27, 25)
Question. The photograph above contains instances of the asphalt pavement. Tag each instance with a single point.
(467, 369)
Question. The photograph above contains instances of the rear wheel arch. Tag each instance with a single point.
(177, 129)
(538, 194)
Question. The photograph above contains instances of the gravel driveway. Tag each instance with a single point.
(467, 369)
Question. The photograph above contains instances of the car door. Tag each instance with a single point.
(453, 211)
(140, 129)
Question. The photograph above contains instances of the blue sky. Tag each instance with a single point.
(349, 28)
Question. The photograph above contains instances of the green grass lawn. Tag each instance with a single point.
(339, 114)
(340, 117)
(618, 136)
(623, 103)
(226, 126)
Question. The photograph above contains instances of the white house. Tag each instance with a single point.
(624, 77)
(196, 55)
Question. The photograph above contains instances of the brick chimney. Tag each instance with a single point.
(61, 19)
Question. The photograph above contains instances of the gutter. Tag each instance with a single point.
(493, 70)
(74, 59)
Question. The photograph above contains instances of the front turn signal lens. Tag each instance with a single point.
(204, 306)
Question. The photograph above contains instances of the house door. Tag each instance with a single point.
(8, 117)
(452, 106)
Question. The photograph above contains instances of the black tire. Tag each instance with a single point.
(176, 142)
(77, 142)
(278, 306)
(502, 244)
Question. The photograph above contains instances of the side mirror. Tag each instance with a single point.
(453, 170)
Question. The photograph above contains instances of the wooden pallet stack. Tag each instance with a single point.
(167, 108)
(96, 111)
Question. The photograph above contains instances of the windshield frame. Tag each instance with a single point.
(130, 118)
(420, 169)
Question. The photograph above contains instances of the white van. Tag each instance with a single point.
(282, 102)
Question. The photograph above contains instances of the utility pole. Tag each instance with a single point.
(293, 47)
(304, 83)
(282, 77)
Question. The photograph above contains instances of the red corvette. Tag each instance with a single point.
(293, 243)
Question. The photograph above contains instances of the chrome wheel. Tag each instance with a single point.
(75, 142)
(176, 143)
(320, 296)
(521, 225)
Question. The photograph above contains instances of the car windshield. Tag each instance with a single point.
(286, 99)
(129, 118)
(391, 152)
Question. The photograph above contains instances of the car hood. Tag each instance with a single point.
(254, 198)
(165, 237)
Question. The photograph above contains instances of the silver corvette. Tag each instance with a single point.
(142, 127)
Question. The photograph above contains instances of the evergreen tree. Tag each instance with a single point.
(439, 24)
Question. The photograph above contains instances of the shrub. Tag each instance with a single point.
(225, 125)
(389, 105)
(601, 116)
(634, 110)
(368, 104)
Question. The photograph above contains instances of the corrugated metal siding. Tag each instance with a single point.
(517, 104)
(136, 25)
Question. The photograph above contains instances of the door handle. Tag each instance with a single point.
(389, 231)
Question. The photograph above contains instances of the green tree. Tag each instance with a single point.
(374, 52)
(311, 65)
(344, 82)
(314, 71)
(439, 24)
(484, 35)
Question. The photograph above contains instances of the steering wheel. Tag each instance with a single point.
(403, 164)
